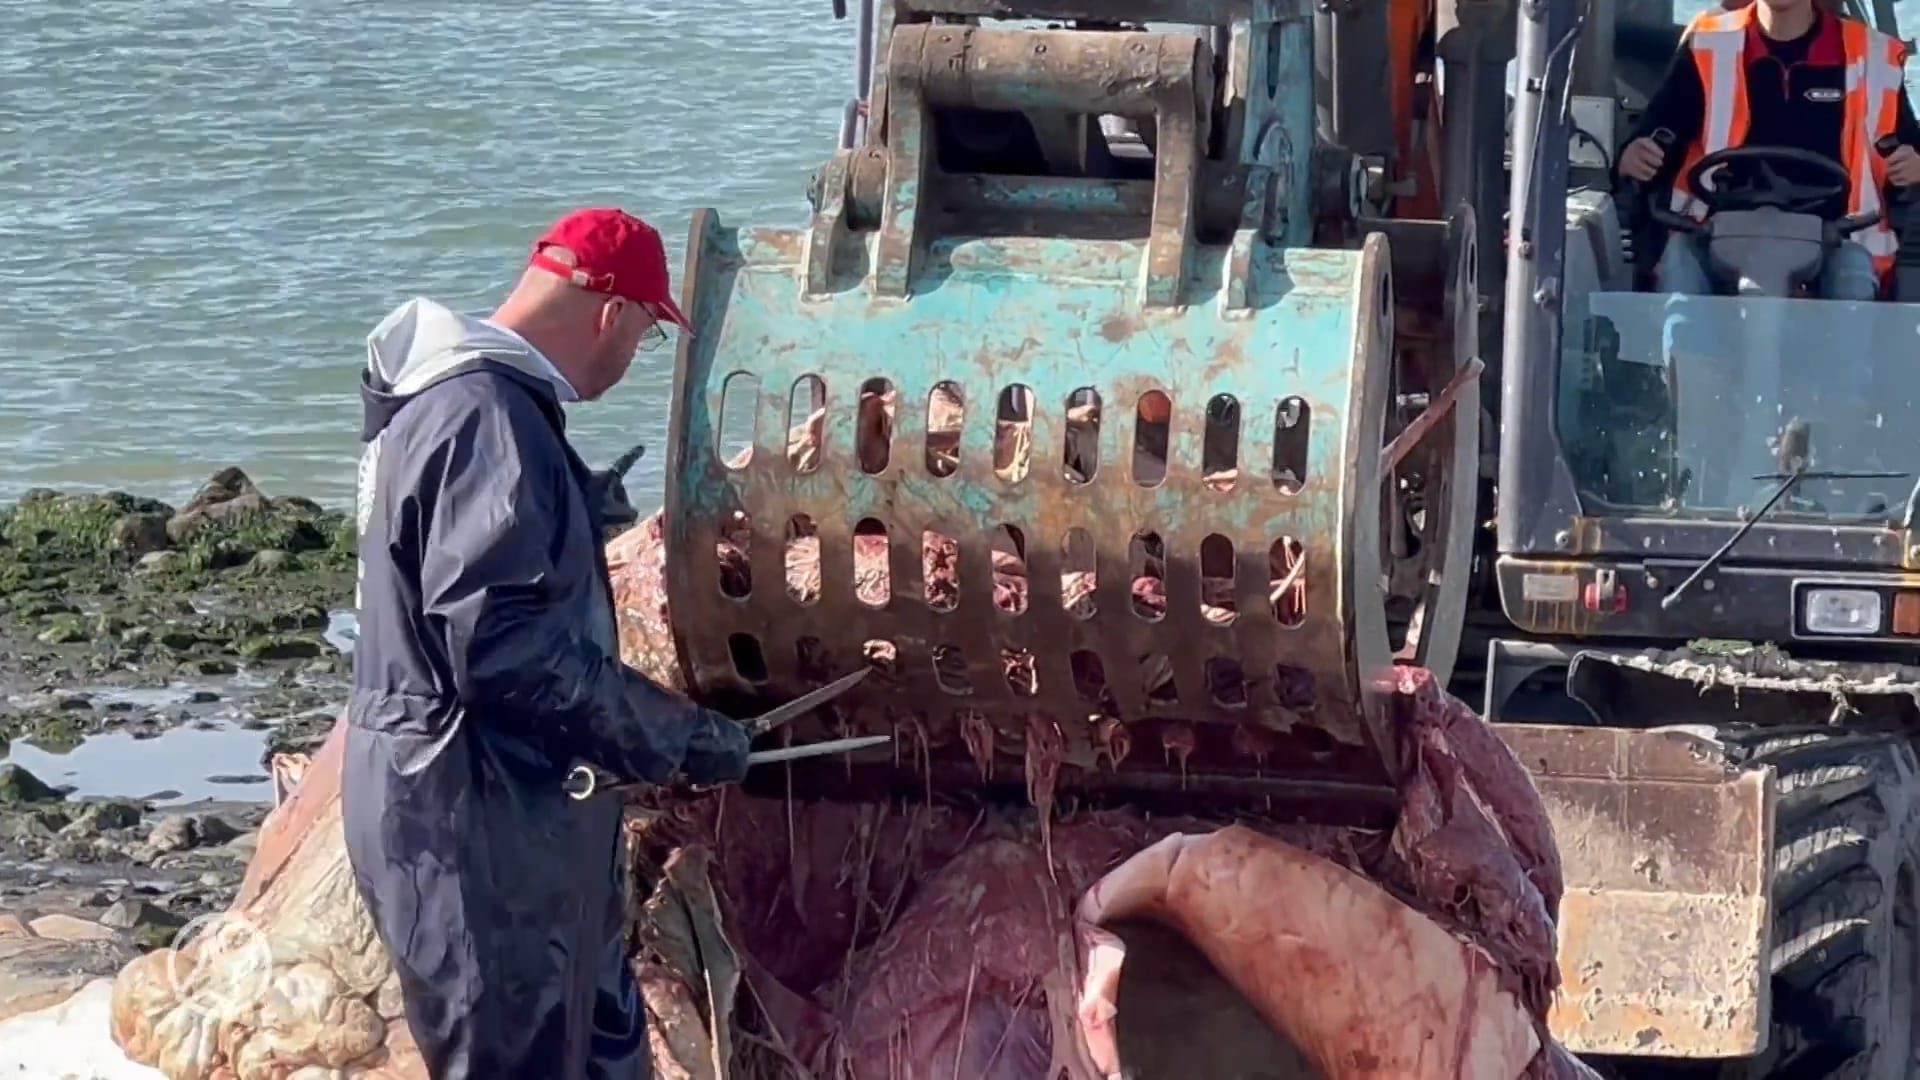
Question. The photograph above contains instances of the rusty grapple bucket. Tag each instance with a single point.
(1092, 468)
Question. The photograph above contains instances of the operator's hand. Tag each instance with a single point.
(716, 749)
(1641, 160)
(608, 490)
(1903, 167)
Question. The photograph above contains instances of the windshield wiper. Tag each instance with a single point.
(1787, 483)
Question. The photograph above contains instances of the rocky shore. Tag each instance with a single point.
(153, 659)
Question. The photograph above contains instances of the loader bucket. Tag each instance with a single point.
(1664, 937)
(1070, 524)
(1670, 836)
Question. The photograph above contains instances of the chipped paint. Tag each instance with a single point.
(877, 287)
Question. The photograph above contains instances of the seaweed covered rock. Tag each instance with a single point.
(104, 582)
(226, 523)
(46, 524)
(229, 522)
(19, 787)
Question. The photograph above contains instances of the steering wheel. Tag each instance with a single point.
(1762, 186)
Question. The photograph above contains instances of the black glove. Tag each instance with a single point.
(607, 491)
(650, 734)
(716, 749)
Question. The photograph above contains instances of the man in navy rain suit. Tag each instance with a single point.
(488, 664)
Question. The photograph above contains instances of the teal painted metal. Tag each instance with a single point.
(1054, 316)
(908, 279)
(1278, 41)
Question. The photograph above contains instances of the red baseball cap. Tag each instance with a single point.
(614, 253)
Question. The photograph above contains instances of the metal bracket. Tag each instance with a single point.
(1166, 76)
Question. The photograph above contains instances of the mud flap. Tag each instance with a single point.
(1665, 927)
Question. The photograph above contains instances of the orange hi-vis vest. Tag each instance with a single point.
(1874, 67)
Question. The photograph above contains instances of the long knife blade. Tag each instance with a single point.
(805, 703)
(584, 780)
(818, 749)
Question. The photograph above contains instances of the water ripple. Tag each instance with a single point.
(207, 204)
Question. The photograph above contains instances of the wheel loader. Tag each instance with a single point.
(1284, 343)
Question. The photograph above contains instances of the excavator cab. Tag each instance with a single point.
(1681, 406)
(1705, 522)
(1764, 234)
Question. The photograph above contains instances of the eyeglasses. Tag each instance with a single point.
(652, 337)
(655, 335)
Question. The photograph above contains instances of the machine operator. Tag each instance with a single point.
(1784, 73)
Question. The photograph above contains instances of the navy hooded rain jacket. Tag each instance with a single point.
(488, 663)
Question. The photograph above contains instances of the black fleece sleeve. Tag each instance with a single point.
(1679, 105)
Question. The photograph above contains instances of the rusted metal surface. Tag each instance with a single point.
(1292, 788)
(1665, 926)
(975, 313)
(1263, 105)
(1430, 469)
(1125, 207)
(1439, 409)
(1054, 317)
(1167, 76)
(1198, 12)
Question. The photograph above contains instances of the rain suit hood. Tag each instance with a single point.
(487, 664)
(422, 341)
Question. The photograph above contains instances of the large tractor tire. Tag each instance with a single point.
(1846, 926)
